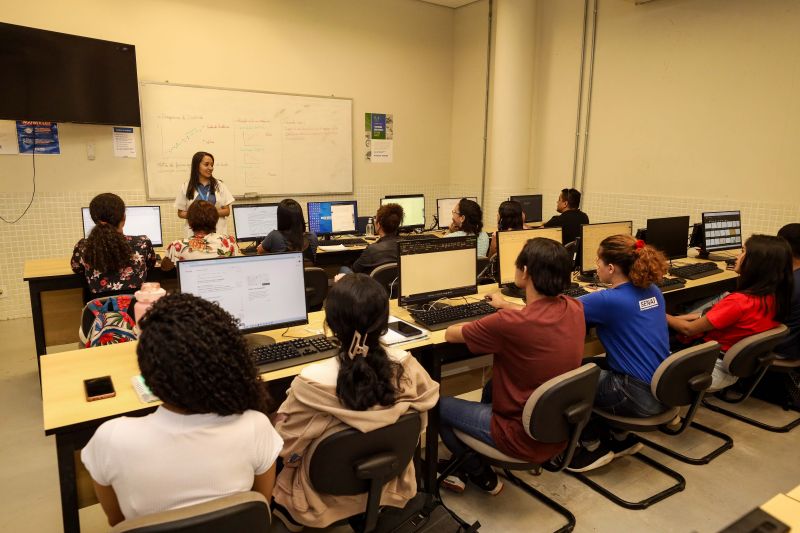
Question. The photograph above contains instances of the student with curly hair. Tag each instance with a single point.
(387, 223)
(202, 185)
(205, 243)
(210, 438)
(631, 322)
(291, 234)
(112, 262)
(468, 220)
(761, 301)
(510, 216)
(366, 386)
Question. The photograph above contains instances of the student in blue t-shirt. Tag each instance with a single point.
(631, 322)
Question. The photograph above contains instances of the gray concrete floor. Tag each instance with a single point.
(760, 465)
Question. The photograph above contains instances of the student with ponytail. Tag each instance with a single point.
(366, 386)
(112, 262)
(631, 322)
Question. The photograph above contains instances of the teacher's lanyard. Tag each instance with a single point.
(204, 196)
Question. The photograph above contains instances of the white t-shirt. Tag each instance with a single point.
(167, 460)
(223, 198)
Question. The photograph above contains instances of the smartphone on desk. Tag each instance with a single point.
(405, 329)
(99, 388)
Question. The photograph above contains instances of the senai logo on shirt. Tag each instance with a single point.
(649, 303)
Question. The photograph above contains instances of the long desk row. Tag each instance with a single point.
(73, 420)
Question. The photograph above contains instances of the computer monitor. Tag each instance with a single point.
(413, 209)
(722, 230)
(444, 210)
(430, 269)
(332, 218)
(262, 291)
(253, 222)
(670, 235)
(591, 237)
(511, 243)
(139, 220)
(531, 206)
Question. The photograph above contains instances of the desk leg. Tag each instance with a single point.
(434, 367)
(65, 451)
(38, 319)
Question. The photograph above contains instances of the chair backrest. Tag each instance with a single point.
(684, 375)
(245, 511)
(316, 281)
(744, 358)
(560, 404)
(386, 275)
(350, 462)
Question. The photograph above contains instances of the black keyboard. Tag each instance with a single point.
(355, 241)
(269, 357)
(575, 292)
(695, 270)
(670, 284)
(437, 319)
(416, 236)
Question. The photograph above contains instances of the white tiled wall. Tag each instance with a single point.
(53, 224)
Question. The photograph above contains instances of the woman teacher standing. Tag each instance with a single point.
(202, 185)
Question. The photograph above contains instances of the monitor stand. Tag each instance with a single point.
(256, 339)
(513, 291)
(588, 278)
(716, 258)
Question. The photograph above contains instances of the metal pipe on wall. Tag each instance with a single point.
(580, 93)
(589, 99)
(486, 102)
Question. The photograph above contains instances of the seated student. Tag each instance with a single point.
(531, 344)
(210, 438)
(790, 347)
(291, 235)
(510, 216)
(112, 262)
(468, 220)
(761, 301)
(570, 217)
(387, 223)
(204, 243)
(365, 387)
(630, 320)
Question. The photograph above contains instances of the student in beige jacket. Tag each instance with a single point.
(365, 387)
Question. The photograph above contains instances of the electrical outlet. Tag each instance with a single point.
(3, 292)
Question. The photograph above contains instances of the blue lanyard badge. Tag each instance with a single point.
(204, 192)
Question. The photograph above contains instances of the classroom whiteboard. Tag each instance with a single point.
(263, 143)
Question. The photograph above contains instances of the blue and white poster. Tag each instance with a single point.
(38, 137)
(378, 137)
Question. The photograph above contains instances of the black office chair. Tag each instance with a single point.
(749, 359)
(245, 511)
(557, 411)
(484, 267)
(680, 380)
(387, 275)
(316, 281)
(350, 462)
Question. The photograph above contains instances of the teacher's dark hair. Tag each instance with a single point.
(194, 175)
(209, 370)
(359, 303)
(549, 265)
(107, 250)
(292, 225)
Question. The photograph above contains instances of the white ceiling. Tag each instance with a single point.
(449, 3)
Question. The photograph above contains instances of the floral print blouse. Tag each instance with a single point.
(205, 247)
(129, 278)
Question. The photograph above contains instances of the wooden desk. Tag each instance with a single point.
(785, 509)
(73, 420)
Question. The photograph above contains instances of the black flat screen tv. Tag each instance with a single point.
(51, 76)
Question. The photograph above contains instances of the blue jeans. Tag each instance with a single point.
(625, 395)
(474, 419)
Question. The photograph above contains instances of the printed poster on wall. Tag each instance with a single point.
(378, 137)
(124, 143)
(38, 137)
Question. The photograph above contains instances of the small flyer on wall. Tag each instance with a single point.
(38, 137)
(378, 137)
(124, 143)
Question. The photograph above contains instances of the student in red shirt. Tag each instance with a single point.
(531, 345)
(761, 301)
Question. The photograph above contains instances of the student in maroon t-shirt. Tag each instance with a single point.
(762, 299)
(531, 344)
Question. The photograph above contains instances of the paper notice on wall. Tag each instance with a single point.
(8, 137)
(124, 142)
(378, 137)
(38, 137)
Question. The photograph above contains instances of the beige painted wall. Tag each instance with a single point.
(391, 56)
